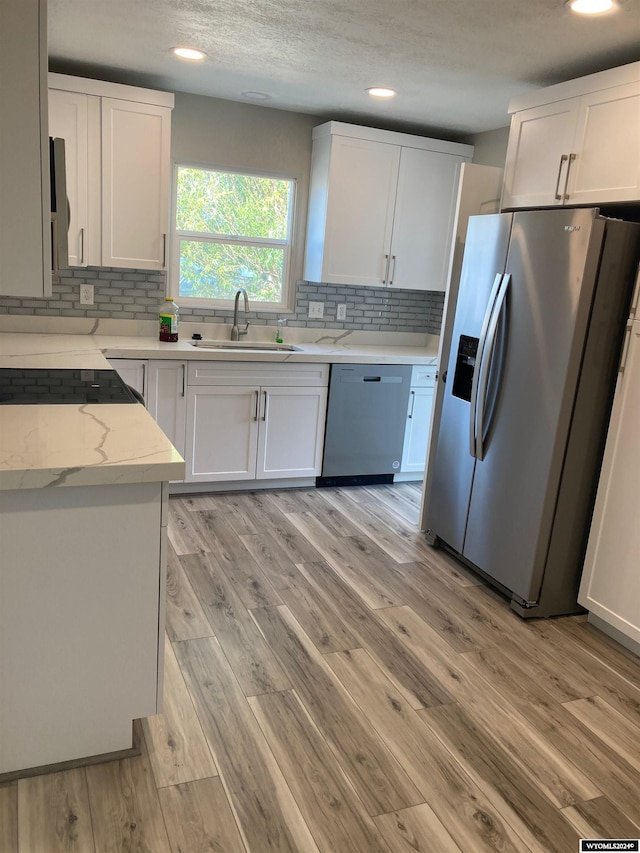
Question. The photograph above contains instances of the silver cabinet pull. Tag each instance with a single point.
(144, 379)
(565, 194)
(266, 403)
(54, 243)
(255, 414)
(184, 379)
(625, 347)
(413, 402)
(81, 246)
(385, 274)
(562, 160)
(393, 270)
(164, 251)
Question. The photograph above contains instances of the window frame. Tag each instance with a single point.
(213, 304)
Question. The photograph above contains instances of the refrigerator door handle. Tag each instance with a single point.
(485, 366)
(473, 404)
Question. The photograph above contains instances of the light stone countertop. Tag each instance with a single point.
(68, 445)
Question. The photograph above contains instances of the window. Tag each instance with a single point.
(232, 230)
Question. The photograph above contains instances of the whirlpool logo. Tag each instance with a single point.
(571, 227)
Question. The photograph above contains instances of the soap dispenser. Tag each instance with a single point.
(280, 324)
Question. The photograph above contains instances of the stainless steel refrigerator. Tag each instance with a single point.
(526, 397)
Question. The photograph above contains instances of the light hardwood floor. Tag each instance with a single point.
(335, 685)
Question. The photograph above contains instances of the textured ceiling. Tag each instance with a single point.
(454, 63)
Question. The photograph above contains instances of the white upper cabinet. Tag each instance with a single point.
(576, 143)
(118, 141)
(25, 235)
(381, 207)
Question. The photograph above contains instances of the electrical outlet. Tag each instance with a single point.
(316, 310)
(341, 313)
(86, 294)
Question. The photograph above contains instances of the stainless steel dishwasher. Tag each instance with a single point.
(366, 417)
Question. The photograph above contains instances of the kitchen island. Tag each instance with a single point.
(83, 504)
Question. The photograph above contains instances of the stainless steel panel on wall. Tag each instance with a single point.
(547, 309)
(485, 254)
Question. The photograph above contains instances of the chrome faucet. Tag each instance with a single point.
(237, 333)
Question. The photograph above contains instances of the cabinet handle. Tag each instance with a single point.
(393, 270)
(385, 278)
(164, 251)
(81, 246)
(625, 348)
(184, 379)
(562, 159)
(266, 403)
(54, 243)
(144, 379)
(413, 402)
(565, 194)
(255, 414)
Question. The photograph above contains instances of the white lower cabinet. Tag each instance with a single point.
(133, 371)
(416, 434)
(166, 398)
(254, 421)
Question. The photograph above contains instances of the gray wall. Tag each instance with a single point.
(490, 147)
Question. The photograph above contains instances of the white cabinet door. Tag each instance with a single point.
(133, 371)
(25, 227)
(166, 399)
(423, 220)
(416, 435)
(222, 432)
(68, 119)
(610, 586)
(136, 141)
(361, 195)
(535, 173)
(291, 435)
(607, 144)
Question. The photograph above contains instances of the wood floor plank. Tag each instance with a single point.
(396, 538)
(177, 747)
(320, 619)
(273, 557)
(560, 728)
(185, 619)
(264, 808)
(470, 818)
(198, 818)
(243, 573)
(9, 817)
(610, 726)
(183, 534)
(560, 779)
(378, 779)
(254, 664)
(538, 822)
(415, 830)
(410, 675)
(352, 558)
(54, 814)
(602, 648)
(329, 805)
(125, 808)
(600, 818)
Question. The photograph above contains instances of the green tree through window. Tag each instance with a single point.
(232, 230)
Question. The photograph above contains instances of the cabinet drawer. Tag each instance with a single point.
(423, 375)
(257, 373)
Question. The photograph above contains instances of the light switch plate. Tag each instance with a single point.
(316, 310)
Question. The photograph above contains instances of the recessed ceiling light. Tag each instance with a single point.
(256, 96)
(189, 53)
(381, 92)
(591, 7)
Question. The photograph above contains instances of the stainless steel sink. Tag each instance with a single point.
(249, 346)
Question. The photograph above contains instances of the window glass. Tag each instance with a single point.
(232, 230)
